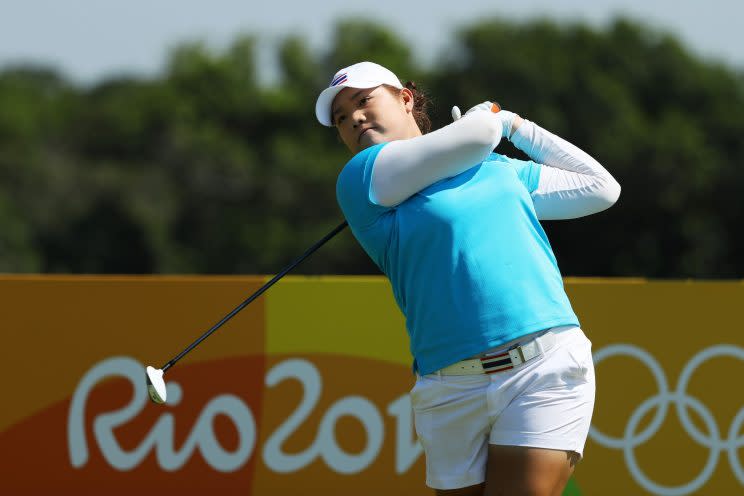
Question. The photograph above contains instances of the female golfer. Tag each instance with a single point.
(505, 383)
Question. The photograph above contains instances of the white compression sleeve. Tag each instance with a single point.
(405, 167)
(572, 184)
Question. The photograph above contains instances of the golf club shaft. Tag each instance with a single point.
(255, 295)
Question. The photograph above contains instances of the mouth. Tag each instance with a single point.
(364, 132)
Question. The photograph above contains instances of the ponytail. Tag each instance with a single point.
(421, 104)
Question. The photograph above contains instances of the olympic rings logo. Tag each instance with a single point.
(681, 401)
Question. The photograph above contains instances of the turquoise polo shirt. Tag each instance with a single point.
(469, 264)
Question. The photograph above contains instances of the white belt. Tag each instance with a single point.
(502, 360)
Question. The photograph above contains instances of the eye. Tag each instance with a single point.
(364, 100)
(340, 119)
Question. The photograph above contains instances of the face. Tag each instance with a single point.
(366, 117)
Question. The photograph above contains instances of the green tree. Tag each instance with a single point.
(203, 170)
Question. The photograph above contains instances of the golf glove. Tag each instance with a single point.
(507, 118)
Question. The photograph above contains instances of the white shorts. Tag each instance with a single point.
(546, 402)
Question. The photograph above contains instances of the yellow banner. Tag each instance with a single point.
(308, 387)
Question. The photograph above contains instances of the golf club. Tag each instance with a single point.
(156, 383)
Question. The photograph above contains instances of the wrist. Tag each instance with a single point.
(518, 121)
(510, 121)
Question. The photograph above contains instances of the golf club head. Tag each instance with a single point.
(155, 385)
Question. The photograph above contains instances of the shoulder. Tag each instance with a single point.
(364, 158)
(526, 170)
(358, 170)
(354, 189)
(501, 159)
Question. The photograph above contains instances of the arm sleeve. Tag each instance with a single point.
(571, 183)
(405, 167)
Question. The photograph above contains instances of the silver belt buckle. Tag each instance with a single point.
(524, 353)
(516, 355)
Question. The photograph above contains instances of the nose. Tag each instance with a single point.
(358, 117)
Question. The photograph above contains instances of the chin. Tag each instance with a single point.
(371, 140)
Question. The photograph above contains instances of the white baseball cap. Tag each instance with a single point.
(359, 75)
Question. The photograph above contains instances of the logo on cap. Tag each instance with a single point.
(339, 79)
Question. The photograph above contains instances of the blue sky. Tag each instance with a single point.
(91, 39)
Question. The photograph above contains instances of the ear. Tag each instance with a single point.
(406, 97)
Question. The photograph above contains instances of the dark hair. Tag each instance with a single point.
(421, 103)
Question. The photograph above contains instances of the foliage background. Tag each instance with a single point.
(205, 171)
